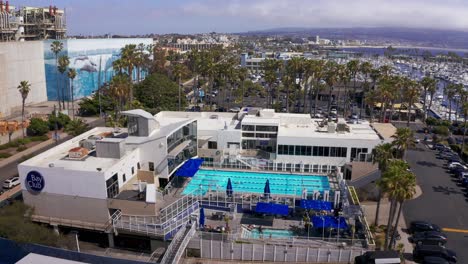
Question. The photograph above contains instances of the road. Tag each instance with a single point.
(11, 169)
(443, 201)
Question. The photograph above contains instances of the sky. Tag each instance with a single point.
(92, 17)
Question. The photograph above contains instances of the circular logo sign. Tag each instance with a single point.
(34, 181)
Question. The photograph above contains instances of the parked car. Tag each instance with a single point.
(429, 238)
(434, 260)
(369, 257)
(422, 226)
(463, 177)
(454, 164)
(438, 146)
(422, 251)
(10, 183)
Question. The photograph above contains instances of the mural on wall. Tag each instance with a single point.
(91, 58)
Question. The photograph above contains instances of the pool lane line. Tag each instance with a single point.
(455, 230)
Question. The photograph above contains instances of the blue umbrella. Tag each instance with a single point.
(229, 187)
(266, 190)
(202, 217)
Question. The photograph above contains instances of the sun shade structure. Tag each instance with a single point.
(270, 208)
(229, 187)
(316, 205)
(328, 221)
(189, 168)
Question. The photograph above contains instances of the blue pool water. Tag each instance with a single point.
(254, 182)
(270, 233)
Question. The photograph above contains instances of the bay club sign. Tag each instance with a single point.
(34, 181)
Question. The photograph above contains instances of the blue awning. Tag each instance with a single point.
(189, 168)
(316, 205)
(329, 221)
(270, 208)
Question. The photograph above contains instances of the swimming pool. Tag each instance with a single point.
(254, 182)
(268, 233)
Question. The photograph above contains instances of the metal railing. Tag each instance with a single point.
(179, 243)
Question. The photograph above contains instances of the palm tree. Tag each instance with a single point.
(119, 90)
(411, 92)
(128, 57)
(429, 84)
(295, 70)
(72, 76)
(242, 76)
(450, 91)
(382, 155)
(309, 70)
(392, 182)
(406, 190)
(353, 68)
(465, 127)
(56, 47)
(63, 63)
(403, 139)
(179, 71)
(366, 69)
(24, 88)
(331, 78)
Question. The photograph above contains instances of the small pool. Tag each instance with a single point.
(269, 233)
(254, 182)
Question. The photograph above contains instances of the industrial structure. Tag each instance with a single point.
(31, 23)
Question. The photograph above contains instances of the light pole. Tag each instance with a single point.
(323, 228)
(56, 137)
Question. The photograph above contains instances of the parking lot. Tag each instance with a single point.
(443, 201)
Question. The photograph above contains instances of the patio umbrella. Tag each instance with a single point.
(266, 190)
(202, 217)
(304, 193)
(229, 187)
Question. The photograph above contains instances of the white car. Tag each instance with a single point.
(10, 183)
(457, 164)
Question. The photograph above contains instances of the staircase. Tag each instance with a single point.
(176, 248)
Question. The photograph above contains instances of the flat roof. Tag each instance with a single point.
(385, 130)
(33, 258)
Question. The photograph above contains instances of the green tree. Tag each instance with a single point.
(24, 88)
(62, 120)
(242, 76)
(366, 70)
(72, 76)
(119, 90)
(63, 63)
(37, 127)
(465, 127)
(179, 71)
(129, 57)
(450, 91)
(332, 76)
(159, 93)
(411, 92)
(56, 47)
(403, 139)
(353, 68)
(76, 127)
(382, 155)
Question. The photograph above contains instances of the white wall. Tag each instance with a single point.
(124, 166)
(68, 182)
(21, 61)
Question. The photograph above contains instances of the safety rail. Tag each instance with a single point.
(69, 222)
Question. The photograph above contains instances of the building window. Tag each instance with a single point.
(267, 128)
(112, 186)
(138, 165)
(151, 166)
(133, 170)
(356, 151)
(248, 127)
(212, 145)
(124, 177)
(308, 151)
(132, 126)
(290, 150)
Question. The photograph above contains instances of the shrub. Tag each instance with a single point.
(62, 120)
(441, 130)
(4, 155)
(431, 121)
(37, 127)
(39, 138)
(21, 148)
(76, 127)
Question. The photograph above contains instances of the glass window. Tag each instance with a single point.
(267, 128)
(333, 152)
(151, 166)
(315, 151)
(138, 165)
(298, 151)
(124, 177)
(326, 151)
(248, 135)
(291, 150)
(132, 126)
(212, 145)
(308, 151)
(321, 150)
(133, 170)
(248, 128)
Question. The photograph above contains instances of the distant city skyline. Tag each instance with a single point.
(197, 16)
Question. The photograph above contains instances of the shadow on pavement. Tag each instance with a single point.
(426, 164)
(445, 190)
(408, 256)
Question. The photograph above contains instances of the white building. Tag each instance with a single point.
(106, 178)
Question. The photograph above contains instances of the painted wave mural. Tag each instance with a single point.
(91, 58)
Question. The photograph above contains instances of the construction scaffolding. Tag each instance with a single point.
(31, 23)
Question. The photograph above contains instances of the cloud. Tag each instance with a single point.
(448, 14)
